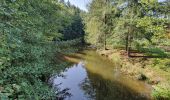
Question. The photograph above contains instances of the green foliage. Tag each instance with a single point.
(29, 34)
(98, 23)
(135, 19)
(76, 28)
(93, 31)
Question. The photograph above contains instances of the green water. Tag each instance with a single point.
(93, 77)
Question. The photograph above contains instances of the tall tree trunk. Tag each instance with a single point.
(129, 45)
(130, 39)
(127, 41)
(105, 30)
(105, 48)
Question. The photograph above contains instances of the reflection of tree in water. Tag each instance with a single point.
(62, 94)
(89, 91)
(97, 88)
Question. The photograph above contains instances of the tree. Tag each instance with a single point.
(121, 19)
(99, 12)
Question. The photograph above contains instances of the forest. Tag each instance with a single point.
(35, 34)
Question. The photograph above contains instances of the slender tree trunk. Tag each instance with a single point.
(130, 41)
(129, 45)
(105, 48)
(105, 31)
(127, 41)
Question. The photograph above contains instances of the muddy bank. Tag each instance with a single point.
(137, 68)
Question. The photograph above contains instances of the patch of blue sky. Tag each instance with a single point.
(82, 4)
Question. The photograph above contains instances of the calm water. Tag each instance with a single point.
(93, 77)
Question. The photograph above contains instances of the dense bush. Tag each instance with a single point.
(29, 31)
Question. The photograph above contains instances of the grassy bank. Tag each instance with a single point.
(154, 71)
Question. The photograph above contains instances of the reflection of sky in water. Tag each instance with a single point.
(98, 79)
(73, 77)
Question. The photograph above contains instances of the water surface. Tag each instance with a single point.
(93, 77)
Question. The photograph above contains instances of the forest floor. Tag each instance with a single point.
(139, 68)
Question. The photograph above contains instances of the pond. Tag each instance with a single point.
(93, 77)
